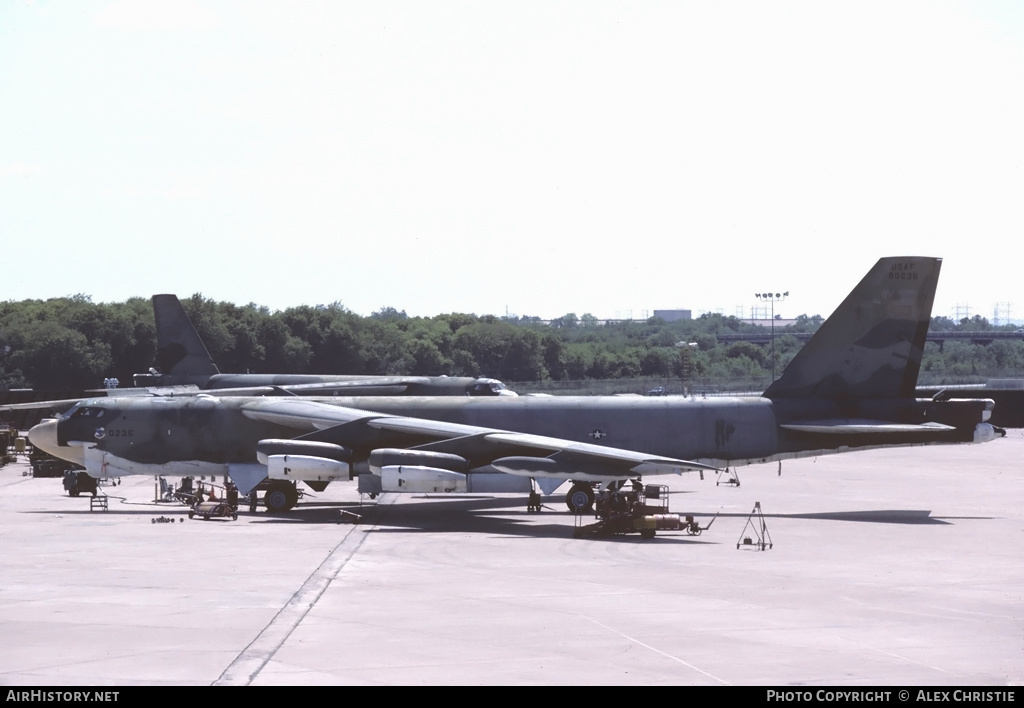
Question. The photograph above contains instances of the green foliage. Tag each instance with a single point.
(72, 342)
(52, 355)
(958, 361)
(500, 350)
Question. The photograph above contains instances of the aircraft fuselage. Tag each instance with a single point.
(719, 431)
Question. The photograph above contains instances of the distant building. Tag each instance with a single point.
(673, 315)
(768, 322)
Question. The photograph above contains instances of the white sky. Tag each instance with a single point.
(531, 157)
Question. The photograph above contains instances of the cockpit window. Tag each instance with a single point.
(487, 387)
(87, 412)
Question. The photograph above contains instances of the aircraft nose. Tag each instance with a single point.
(44, 437)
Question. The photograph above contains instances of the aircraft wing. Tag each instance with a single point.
(301, 414)
(176, 390)
(53, 405)
(378, 385)
(520, 454)
(580, 461)
(62, 404)
(382, 386)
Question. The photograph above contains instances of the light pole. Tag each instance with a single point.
(685, 352)
(772, 298)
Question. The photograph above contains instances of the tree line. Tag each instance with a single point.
(71, 342)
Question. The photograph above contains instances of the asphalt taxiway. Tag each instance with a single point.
(887, 567)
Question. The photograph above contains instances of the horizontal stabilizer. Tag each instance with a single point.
(860, 427)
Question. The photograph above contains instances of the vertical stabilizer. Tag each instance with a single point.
(871, 346)
(179, 350)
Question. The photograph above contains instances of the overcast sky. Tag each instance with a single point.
(535, 158)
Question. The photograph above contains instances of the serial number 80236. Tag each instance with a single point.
(903, 271)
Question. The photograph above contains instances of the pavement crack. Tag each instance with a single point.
(248, 664)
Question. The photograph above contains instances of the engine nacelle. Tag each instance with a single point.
(306, 468)
(422, 480)
(985, 432)
(271, 446)
(398, 457)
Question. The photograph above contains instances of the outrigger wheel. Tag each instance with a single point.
(580, 498)
(533, 503)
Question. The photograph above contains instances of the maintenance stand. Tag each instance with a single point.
(635, 509)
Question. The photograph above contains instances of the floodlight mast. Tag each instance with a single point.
(772, 298)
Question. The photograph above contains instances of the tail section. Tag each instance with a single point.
(180, 351)
(871, 346)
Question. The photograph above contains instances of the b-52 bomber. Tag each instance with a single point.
(191, 370)
(184, 357)
(851, 387)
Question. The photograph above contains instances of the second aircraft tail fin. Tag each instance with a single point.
(180, 351)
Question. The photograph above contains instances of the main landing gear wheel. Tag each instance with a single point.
(281, 496)
(580, 498)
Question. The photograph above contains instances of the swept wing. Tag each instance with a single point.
(422, 440)
(369, 386)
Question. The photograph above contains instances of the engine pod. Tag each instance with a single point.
(395, 457)
(329, 451)
(422, 480)
(306, 468)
